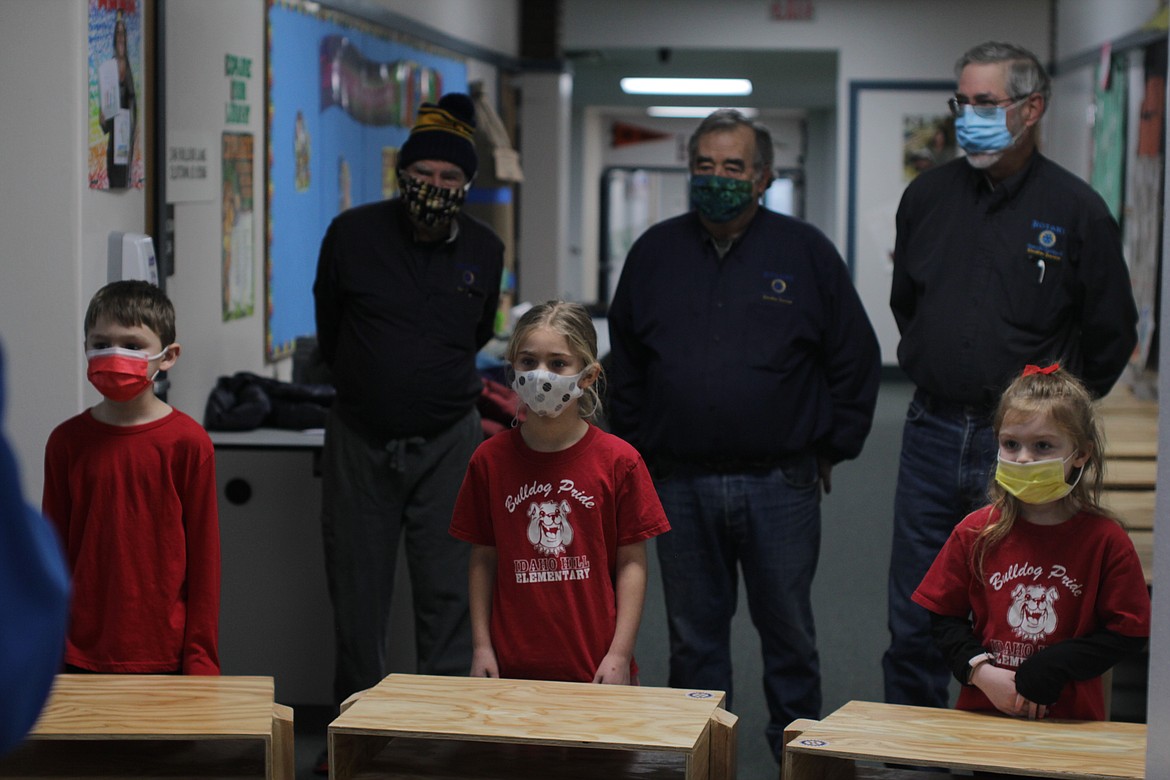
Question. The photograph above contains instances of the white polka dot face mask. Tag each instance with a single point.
(547, 393)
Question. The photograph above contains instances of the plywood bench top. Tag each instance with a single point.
(131, 706)
(532, 712)
(924, 736)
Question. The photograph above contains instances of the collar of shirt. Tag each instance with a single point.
(722, 248)
(408, 226)
(1007, 189)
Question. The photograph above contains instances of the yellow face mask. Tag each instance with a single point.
(1038, 482)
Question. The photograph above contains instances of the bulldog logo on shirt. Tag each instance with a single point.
(1033, 611)
(549, 530)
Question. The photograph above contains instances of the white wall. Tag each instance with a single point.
(544, 269)
(199, 34)
(53, 255)
(491, 24)
(1083, 25)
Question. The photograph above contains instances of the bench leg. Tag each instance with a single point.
(724, 730)
(282, 765)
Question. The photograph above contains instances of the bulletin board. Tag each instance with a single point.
(342, 96)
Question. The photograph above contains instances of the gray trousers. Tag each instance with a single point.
(371, 497)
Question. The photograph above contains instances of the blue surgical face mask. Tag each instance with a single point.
(981, 134)
(720, 198)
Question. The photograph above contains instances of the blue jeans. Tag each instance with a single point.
(948, 457)
(769, 523)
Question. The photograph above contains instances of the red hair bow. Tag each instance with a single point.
(1031, 369)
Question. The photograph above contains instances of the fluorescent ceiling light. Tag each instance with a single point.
(694, 112)
(657, 86)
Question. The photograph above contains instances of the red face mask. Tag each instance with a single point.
(120, 374)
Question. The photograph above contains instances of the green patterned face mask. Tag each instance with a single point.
(719, 198)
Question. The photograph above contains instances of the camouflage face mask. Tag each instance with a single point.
(430, 205)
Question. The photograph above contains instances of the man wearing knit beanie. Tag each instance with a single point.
(437, 163)
(443, 132)
(406, 294)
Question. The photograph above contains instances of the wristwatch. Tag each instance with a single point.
(977, 661)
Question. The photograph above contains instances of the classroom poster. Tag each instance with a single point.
(239, 265)
(1109, 133)
(114, 147)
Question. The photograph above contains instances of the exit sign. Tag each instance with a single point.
(792, 10)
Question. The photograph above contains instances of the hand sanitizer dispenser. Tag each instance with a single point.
(131, 256)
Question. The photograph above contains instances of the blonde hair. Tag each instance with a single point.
(1069, 405)
(572, 321)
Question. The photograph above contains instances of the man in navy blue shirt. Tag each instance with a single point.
(1002, 259)
(744, 367)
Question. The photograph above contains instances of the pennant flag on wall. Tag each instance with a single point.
(625, 134)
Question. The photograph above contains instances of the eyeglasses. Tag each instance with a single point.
(985, 109)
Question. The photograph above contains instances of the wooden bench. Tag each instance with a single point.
(158, 726)
(1131, 474)
(1135, 508)
(417, 726)
(968, 741)
(1130, 427)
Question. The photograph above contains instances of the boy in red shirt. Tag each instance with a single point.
(130, 486)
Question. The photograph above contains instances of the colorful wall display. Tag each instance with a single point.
(238, 226)
(115, 95)
(342, 96)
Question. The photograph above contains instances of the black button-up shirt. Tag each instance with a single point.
(987, 280)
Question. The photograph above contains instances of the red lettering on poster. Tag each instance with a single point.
(792, 10)
(126, 6)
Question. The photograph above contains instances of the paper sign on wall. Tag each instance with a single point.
(192, 167)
